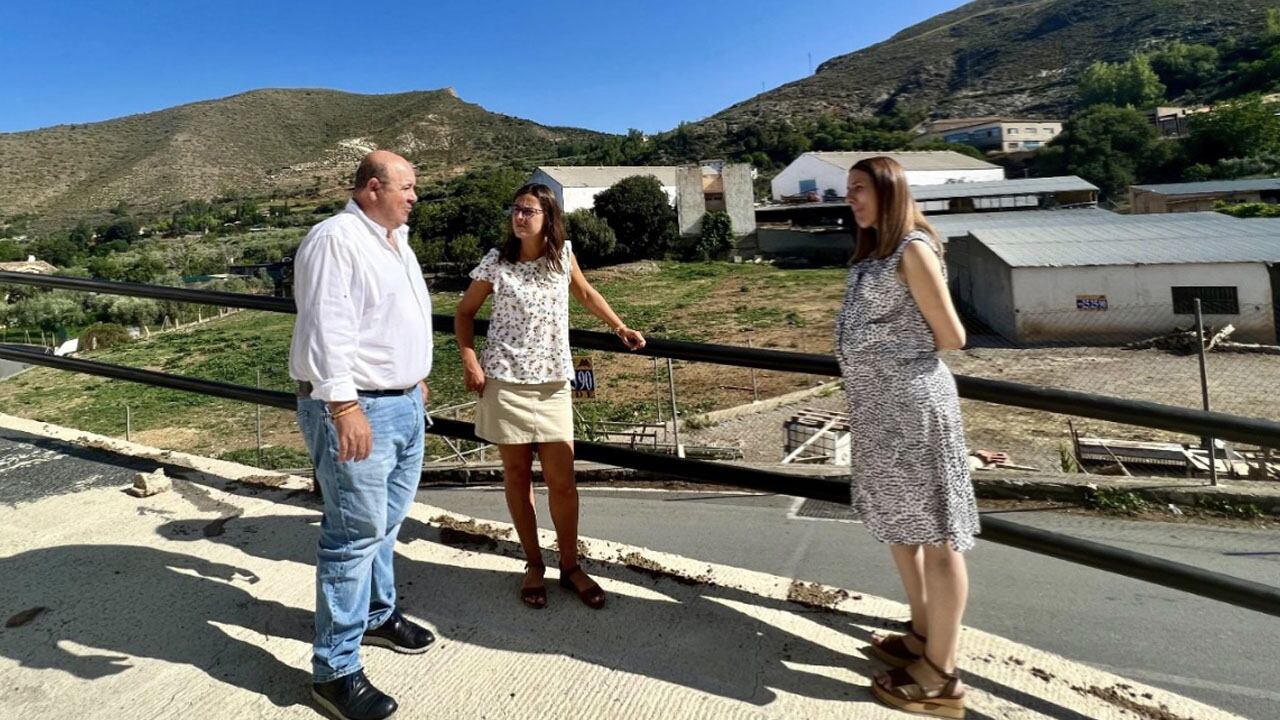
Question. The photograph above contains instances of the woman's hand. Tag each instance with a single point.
(631, 338)
(473, 376)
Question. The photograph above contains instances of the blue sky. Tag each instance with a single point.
(601, 65)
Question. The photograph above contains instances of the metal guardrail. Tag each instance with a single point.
(1216, 586)
(1167, 573)
(1199, 423)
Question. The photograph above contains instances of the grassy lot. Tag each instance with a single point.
(713, 302)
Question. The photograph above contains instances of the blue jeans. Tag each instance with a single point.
(364, 503)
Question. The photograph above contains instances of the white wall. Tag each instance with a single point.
(1139, 300)
(990, 289)
(539, 176)
(830, 177)
(577, 198)
(808, 167)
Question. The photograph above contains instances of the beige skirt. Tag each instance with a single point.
(519, 414)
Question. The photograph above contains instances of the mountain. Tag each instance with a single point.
(996, 57)
(253, 143)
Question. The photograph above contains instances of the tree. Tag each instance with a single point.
(465, 251)
(1131, 83)
(431, 253)
(55, 251)
(10, 251)
(1106, 145)
(474, 203)
(641, 216)
(124, 228)
(49, 311)
(1233, 130)
(81, 235)
(1183, 66)
(716, 237)
(594, 242)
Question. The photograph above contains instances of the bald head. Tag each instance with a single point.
(385, 188)
(378, 164)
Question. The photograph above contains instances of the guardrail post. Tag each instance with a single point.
(1204, 395)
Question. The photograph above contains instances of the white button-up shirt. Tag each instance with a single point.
(364, 313)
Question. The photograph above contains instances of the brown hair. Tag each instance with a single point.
(552, 227)
(898, 213)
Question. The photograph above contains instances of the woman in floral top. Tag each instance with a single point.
(523, 376)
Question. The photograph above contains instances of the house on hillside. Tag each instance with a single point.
(1201, 196)
(693, 190)
(991, 134)
(826, 173)
(30, 265)
(1120, 278)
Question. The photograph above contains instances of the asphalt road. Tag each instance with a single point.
(1219, 654)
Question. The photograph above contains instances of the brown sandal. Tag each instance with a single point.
(902, 691)
(592, 597)
(892, 649)
(534, 597)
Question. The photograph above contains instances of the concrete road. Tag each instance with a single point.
(1215, 653)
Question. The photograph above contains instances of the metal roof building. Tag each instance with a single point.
(1092, 277)
(1184, 197)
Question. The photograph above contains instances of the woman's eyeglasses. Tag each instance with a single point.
(523, 212)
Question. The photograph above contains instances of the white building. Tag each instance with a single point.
(1121, 280)
(576, 187)
(827, 172)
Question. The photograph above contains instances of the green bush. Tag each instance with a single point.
(716, 237)
(1115, 501)
(99, 336)
(641, 216)
(466, 252)
(594, 242)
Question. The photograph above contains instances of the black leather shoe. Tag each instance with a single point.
(353, 697)
(401, 634)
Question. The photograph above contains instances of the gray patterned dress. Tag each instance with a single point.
(910, 471)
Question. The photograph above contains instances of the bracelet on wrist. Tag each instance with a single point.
(345, 410)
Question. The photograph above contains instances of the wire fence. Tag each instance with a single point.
(1139, 352)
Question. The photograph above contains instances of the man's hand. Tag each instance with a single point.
(355, 438)
(426, 392)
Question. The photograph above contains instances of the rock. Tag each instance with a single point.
(152, 483)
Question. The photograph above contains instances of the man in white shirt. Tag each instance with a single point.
(361, 352)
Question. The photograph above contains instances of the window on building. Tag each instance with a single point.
(1213, 300)
(1013, 131)
(1012, 145)
(1032, 144)
(808, 186)
(1030, 131)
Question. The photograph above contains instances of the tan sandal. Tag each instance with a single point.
(892, 650)
(901, 691)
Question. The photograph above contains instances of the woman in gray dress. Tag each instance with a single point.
(911, 484)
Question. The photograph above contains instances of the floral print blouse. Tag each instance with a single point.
(528, 340)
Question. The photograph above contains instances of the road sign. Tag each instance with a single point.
(583, 383)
